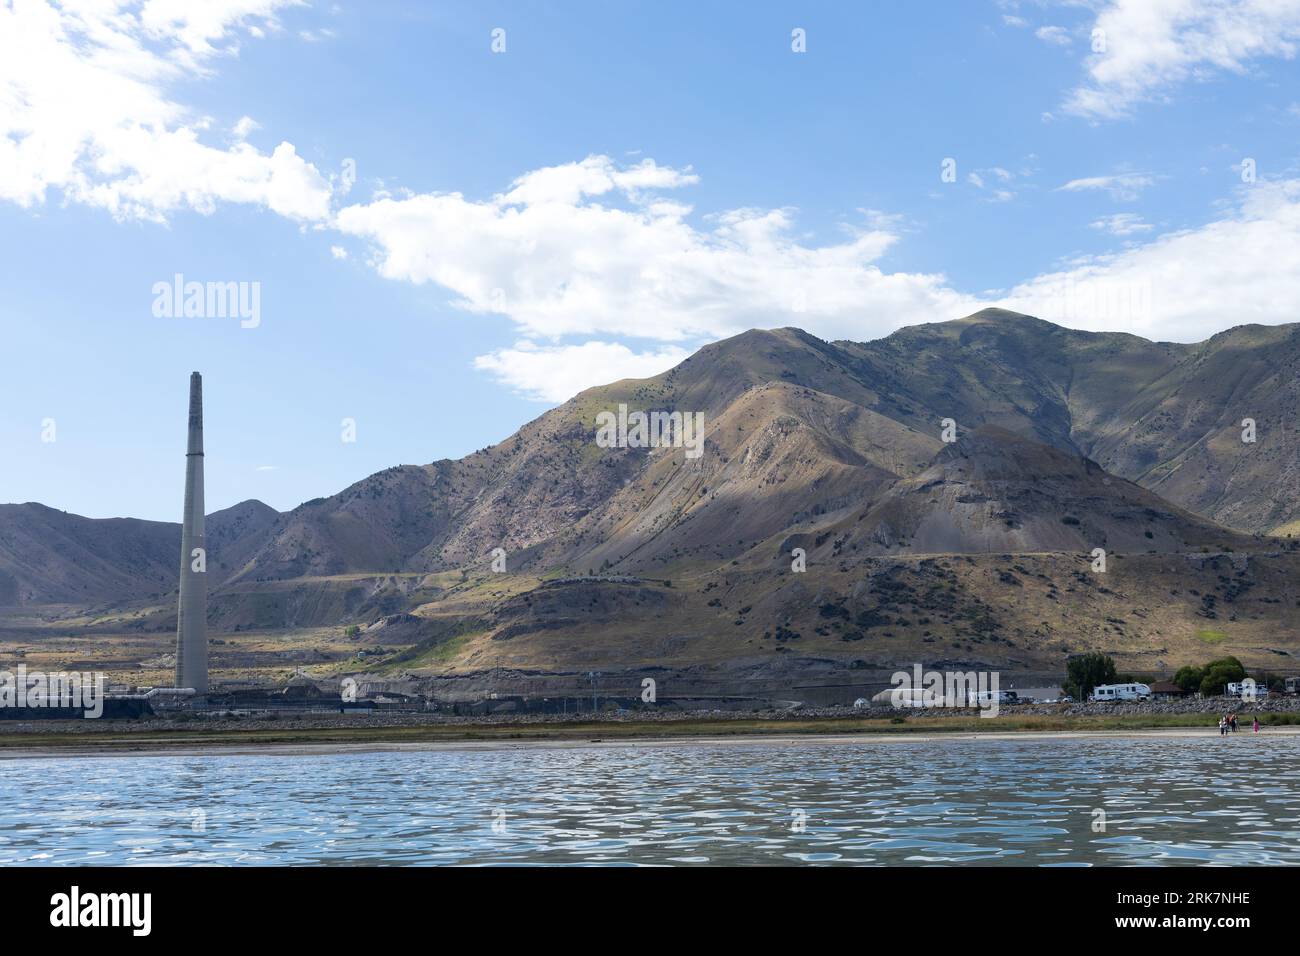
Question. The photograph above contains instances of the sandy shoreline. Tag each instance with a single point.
(308, 749)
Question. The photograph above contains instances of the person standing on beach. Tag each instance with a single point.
(1256, 724)
(1232, 722)
(1223, 725)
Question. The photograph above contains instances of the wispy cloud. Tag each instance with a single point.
(1057, 36)
(1121, 186)
(986, 180)
(1122, 224)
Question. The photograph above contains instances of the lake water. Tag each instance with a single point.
(1167, 801)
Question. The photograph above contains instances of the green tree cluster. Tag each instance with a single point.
(1210, 679)
(1085, 672)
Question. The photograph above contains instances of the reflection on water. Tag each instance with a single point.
(1170, 801)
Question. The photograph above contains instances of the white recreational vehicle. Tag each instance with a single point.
(1105, 692)
(1247, 689)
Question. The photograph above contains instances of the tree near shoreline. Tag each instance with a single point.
(1210, 680)
(1085, 672)
(1226, 670)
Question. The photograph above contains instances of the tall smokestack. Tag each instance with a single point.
(192, 615)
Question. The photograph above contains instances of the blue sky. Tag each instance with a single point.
(621, 184)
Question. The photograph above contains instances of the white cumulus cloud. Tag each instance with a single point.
(591, 248)
(1150, 47)
(84, 110)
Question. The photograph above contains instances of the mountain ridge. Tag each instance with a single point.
(436, 516)
(1061, 442)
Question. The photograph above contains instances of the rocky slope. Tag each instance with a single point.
(800, 426)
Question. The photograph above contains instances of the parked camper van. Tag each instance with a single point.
(1114, 692)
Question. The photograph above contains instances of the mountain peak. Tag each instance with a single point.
(993, 314)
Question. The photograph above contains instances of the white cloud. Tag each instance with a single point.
(558, 262)
(979, 179)
(244, 127)
(565, 266)
(594, 176)
(84, 110)
(1187, 285)
(1014, 21)
(593, 250)
(557, 373)
(1153, 46)
(1122, 224)
(1054, 35)
(1122, 186)
(196, 31)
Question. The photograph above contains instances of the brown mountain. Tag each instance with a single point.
(802, 426)
(1065, 441)
(52, 557)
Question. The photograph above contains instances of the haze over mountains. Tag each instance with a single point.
(1066, 441)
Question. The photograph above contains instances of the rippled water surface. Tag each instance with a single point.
(1166, 801)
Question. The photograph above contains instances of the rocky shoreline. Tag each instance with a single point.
(208, 723)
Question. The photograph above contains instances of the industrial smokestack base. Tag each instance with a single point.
(192, 613)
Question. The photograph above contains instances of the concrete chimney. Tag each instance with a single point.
(192, 615)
